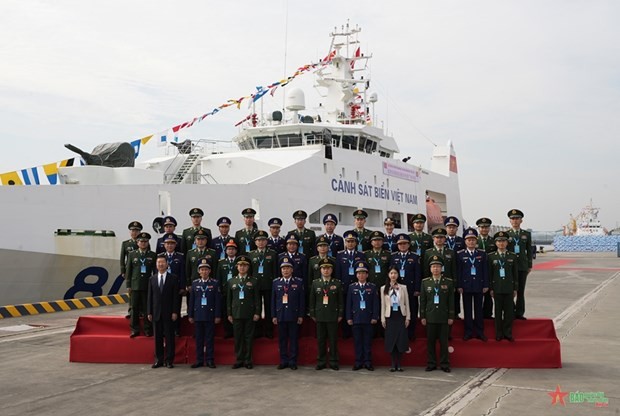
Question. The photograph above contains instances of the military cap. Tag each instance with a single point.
(515, 213)
(196, 212)
(291, 238)
(248, 212)
(361, 267)
(135, 225)
(203, 263)
(286, 262)
(436, 260)
(223, 221)
(451, 221)
(231, 243)
(500, 235)
(484, 222)
(419, 218)
(330, 217)
(170, 220)
(350, 235)
(300, 214)
(200, 234)
(376, 235)
(242, 260)
(325, 263)
(470, 233)
(439, 232)
(322, 241)
(274, 222)
(144, 237)
(170, 237)
(360, 213)
(403, 238)
(260, 234)
(388, 220)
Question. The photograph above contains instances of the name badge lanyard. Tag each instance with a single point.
(331, 242)
(390, 243)
(325, 297)
(502, 270)
(231, 265)
(418, 250)
(517, 247)
(362, 301)
(351, 270)
(241, 292)
(451, 243)
(260, 265)
(359, 243)
(436, 297)
(377, 265)
(472, 260)
(300, 247)
(394, 298)
(285, 295)
(223, 252)
(203, 301)
(402, 266)
(143, 265)
(247, 242)
(169, 260)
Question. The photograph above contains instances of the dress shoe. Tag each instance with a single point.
(282, 366)
(498, 338)
(466, 337)
(148, 334)
(369, 367)
(319, 367)
(170, 365)
(511, 339)
(392, 370)
(293, 366)
(523, 318)
(446, 369)
(400, 369)
(134, 334)
(335, 367)
(157, 364)
(429, 368)
(356, 367)
(236, 365)
(196, 365)
(211, 364)
(482, 338)
(249, 366)
(127, 316)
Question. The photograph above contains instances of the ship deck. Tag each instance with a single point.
(579, 290)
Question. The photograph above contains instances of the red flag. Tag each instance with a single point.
(358, 53)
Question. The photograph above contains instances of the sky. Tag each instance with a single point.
(528, 91)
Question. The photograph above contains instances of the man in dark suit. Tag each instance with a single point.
(162, 304)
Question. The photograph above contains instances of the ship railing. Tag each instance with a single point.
(200, 147)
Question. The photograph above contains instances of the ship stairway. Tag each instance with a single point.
(186, 168)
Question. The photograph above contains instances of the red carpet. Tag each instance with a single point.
(105, 339)
(552, 264)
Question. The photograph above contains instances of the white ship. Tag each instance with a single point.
(585, 223)
(63, 240)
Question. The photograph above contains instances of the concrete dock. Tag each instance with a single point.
(580, 291)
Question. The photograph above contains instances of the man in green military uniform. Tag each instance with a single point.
(503, 274)
(437, 313)
(201, 240)
(243, 307)
(127, 247)
(245, 236)
(448, 256)
(322, 248)
(305, 236)
(187, 238)
(378, 259)
(139, 268)
(486, 243)
(363, 233)
(264, 268)
(225, 272)
(327, 310)
(520, 243)
(420, 241)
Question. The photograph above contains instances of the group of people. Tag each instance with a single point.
(364, 283)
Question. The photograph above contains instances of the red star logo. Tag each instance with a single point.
(557, 396)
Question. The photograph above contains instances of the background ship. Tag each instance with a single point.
(64, 238)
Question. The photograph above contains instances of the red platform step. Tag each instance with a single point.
(105, 339)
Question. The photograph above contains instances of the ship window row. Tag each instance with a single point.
(351, 142)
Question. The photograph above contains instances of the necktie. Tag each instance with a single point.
(161, 282)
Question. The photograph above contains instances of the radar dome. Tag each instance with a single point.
(295, 100)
